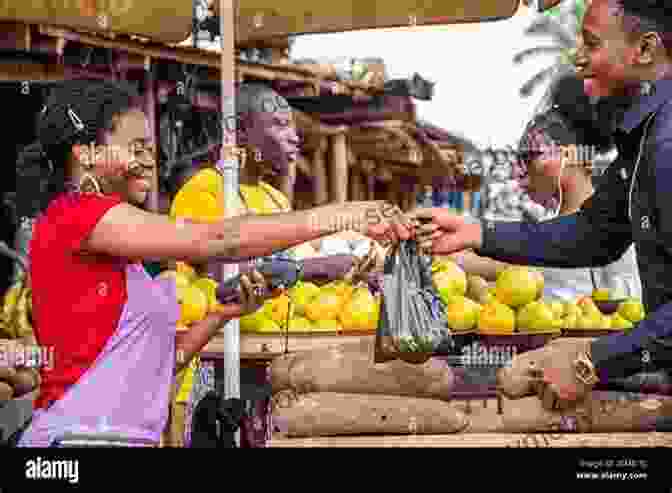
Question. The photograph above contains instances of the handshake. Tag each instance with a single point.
(438, 231)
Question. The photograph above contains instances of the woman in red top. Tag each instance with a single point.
(111, 325)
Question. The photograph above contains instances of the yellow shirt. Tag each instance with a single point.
(264, 199)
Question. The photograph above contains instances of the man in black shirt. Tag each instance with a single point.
(624, 57)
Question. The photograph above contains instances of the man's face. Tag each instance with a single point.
(607, 54)
(271, 131)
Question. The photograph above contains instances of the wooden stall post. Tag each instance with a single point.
(357, 189)
(320, 180)
(394, 191)
(339, 168)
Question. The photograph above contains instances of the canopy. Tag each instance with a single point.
(170, 21)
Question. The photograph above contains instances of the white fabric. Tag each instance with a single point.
(621, 278)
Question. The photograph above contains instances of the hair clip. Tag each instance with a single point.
(76, 122)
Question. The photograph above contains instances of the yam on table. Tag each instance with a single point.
(334, 414)
(331, 414)
(602, 412)
(349, 368)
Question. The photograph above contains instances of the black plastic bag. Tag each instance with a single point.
(412, 324)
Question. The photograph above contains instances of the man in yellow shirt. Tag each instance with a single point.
(267, 134)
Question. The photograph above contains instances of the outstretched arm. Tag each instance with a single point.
(126, 231)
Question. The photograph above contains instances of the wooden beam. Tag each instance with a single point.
(357, 188)
(270, 346)
(409, 157)
(15, 36)
(193, 56)
(339, 168)
(481, 440)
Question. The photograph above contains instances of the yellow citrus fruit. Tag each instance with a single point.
(209, 287)
(193, 304)
(277, 309)
(496, 318)
(326, 306)
(300, 324)
(258, 322)
(196, 205)
(360, 312)
(187, 270)
(341, 288)
(207, 180)
(181, 279)
(327, 326)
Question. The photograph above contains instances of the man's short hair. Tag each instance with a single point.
(642, 16)
(250, 97)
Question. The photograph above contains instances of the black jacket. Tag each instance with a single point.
(630, 206)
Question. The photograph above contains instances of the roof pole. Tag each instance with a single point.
(229, 170)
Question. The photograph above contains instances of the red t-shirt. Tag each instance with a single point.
(77, 299)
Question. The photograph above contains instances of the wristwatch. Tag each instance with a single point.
(585, 369)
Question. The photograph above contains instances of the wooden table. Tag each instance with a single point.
(480, 440)
(263, 348)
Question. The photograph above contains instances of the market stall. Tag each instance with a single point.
(355, 148)
(360, 134)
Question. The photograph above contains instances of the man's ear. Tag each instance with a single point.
(649, 46)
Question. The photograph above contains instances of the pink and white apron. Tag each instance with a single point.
(127, 390)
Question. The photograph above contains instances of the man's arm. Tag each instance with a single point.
(649, 345)
(595, 236)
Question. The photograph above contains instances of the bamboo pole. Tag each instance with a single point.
(339, 168)
(230, 168)
(321, 180)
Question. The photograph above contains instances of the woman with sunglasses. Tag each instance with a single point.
(557, 164)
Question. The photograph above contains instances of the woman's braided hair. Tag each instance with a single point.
(76, 112)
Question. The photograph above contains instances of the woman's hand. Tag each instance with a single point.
(443, 232)
(253, 292)
(377, 219)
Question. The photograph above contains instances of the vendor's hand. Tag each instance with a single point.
(379, 220)
(253, 292)
(548, 372)
(365, 265)
(442, 232)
